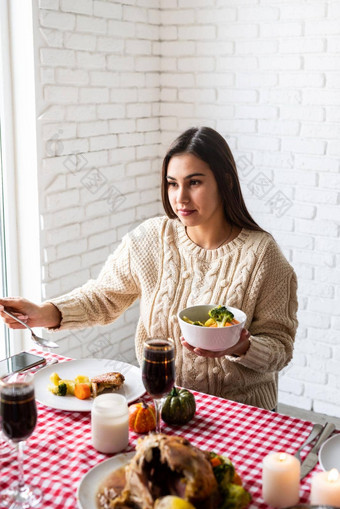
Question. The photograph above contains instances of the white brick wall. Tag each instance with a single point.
(268, 80)
(98, 95)
(118, 82)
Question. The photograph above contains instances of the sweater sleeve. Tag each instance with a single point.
(274, 322)
(101, 301)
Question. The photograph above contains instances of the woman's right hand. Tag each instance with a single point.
(34, 315)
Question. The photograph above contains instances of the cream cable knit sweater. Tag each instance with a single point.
(159, 264)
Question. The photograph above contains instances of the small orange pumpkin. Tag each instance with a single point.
(142, 417)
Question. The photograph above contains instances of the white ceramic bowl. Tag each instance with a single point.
(210, 338)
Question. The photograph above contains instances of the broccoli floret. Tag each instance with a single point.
(224, 470)
(62, 389)
(186, 319)
(236, 497)
(221, 315)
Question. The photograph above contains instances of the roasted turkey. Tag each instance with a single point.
(168, 465)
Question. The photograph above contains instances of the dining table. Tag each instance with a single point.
(59, 452)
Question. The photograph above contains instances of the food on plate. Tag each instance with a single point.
(82, 379)
(70, 384)
(82, 387)
(106, 382)
(55, 378)
(172, 502)
(59, 389)
(167, 472)
(220, 316)
(167, 465)
(179, 406)
(233, 495)
(82, 391)
(142, 417)
(111, 488)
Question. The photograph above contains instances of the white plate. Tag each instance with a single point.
(132, 389)
(329, 454)
(88, 487)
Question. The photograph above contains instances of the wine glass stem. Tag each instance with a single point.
(20, 452)
(157, 403)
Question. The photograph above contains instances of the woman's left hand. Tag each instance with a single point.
(240, 348)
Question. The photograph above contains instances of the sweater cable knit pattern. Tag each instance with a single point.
(160, 265)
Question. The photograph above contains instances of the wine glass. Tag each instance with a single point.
(158, 371)
(6, 447)
(18, 418)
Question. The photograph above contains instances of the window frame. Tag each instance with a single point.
(8, 201)
(4, 346)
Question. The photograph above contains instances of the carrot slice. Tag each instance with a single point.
(215, 461)
(82, 391)
(233, 322)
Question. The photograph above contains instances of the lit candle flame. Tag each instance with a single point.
(282, 456)
(333, 475)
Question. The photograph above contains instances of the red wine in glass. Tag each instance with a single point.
(158, 370)
(18, 411)
(18, 418)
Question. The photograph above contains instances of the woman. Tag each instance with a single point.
(208, 249)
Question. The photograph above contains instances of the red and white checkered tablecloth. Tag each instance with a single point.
(59, 453)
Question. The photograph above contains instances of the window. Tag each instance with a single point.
(8, 249)
(19, 208)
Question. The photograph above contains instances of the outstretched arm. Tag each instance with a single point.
(35, 315)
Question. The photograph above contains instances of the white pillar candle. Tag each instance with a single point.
(325, 488)
(280, 479)
(110, 423)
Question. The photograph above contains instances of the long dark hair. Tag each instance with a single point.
(209, 146)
